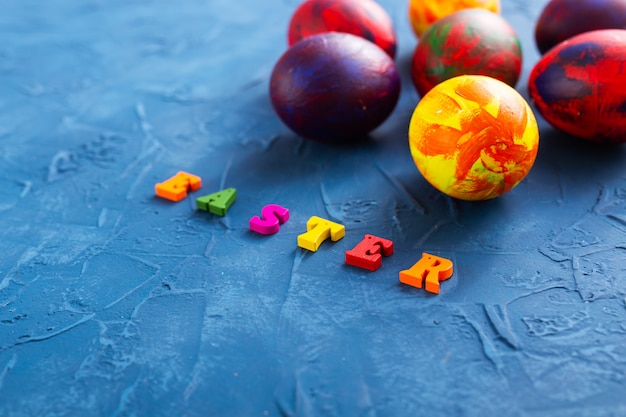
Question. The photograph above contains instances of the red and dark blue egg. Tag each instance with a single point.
(364, 18)
(579, 86)
(562, 19)
(467, 42)
(334, 87)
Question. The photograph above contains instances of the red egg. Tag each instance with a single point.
(579, 86)
(364, 18)
(467, 42)
(562, 19)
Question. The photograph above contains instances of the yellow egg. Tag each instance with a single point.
(473, 137)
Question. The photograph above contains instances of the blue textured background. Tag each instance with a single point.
(116, 303)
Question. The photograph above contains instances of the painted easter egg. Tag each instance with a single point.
(579, 86)
(563, 19)
(364, 18)
(423, 13)
(334, 87)
(473, 137)
(470, 41)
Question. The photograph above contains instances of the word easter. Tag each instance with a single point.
(428, 272)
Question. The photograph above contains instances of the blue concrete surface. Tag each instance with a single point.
(114, 302)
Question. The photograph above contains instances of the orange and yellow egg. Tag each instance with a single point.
(473, 137)
(423, 13)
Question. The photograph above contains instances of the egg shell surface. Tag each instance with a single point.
(470, 41)
(563, 19)
(334, 87)
(364, 18)
(473, 137)
(579, 86)
(423, 13)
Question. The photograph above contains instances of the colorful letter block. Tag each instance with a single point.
(217, 203)
(272, 216)
(428, 272)
(368, 254)
(430, 269)
(175, 188)
(318, 230)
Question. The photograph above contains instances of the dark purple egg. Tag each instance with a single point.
(562, 19)
(334, 87)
